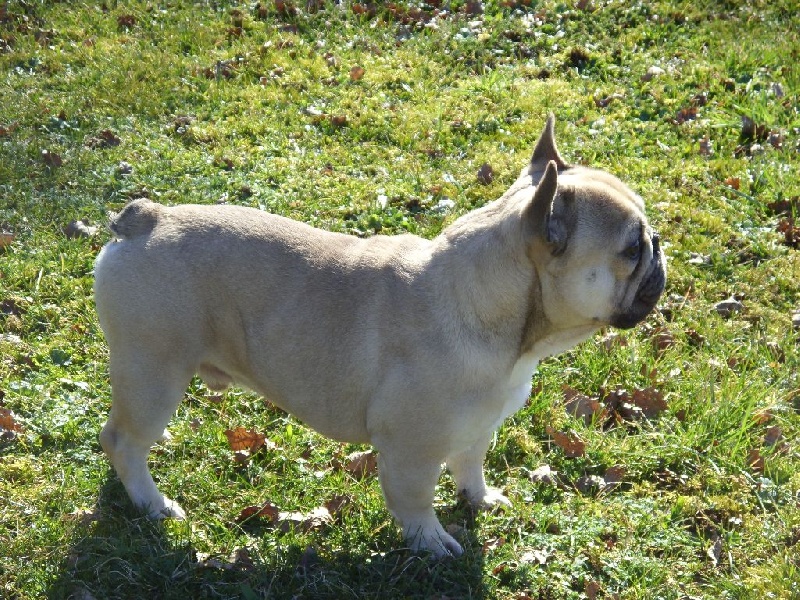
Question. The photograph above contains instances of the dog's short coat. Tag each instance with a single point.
(418, 347)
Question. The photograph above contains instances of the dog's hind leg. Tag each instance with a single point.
(146, 390)
(466, 467)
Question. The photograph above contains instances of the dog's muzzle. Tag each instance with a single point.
(650, 290)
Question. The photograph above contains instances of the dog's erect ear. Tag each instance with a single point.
(546, 225)
(545, 151)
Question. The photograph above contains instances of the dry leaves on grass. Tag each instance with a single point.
(361, 464)
(571, 444)
(246, 442)
(8, 422)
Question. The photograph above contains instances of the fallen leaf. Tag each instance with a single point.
(337, 503)
(706, 147)
(613, 477)
(6, 238)
(361, 464)
(603, 102)
(773, 435)
(79, 229)
(339, 120)
(485, 174)
(356, 73)
(593, 590)
(493, 544)
(268, 511)
(317, 518)
(589, 484)
(544, 475)
(728, 307)
(751, 131)
(714, 551)
(650, 401)
(733, 182)
(104, 139)
(51, 159)
(791, 233)
(125, 22)
(570, 443)
(240, 439)
(755, 461)
(8, 422)
(581, 406)
(652, 73)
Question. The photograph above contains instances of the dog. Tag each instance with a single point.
(419, 347)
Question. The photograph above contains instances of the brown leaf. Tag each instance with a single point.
(706, 147)
(7, 421)
(752, 132)
(570, 443)
(317, 518)
(268, 511)
(544, 475)
(240, 439)
(663, 339)
(361, 464)
(791, 233)
(125, 22)
(51, 159)
(650, 401)
(356, 73)
(593, 590)
(773, 435)
(6, 238)
(485, 174)
(614, 476)
(604, 102)
(104, 139)
(79, 229)
(756, 461)
(581, 406)
(7, 129)
(337, 503)
(733, 182)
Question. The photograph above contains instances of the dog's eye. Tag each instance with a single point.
(633, 251)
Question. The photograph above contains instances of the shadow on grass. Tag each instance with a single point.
(127, 555)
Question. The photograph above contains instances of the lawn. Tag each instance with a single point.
(660, 462)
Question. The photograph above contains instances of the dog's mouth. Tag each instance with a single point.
(648, 293)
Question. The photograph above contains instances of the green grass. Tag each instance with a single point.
(269, 116)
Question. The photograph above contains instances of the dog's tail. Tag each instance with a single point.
(137, 218)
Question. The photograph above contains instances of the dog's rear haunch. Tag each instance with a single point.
(418, 347)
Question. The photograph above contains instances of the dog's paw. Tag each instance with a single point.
(436, 541)
(491, 498)
(169, 510)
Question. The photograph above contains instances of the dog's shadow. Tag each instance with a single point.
(118, 553)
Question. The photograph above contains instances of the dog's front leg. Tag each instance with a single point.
(466, 468)
(408, 482)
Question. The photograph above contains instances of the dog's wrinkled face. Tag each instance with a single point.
(598, 260)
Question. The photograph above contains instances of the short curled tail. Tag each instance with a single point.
(137, 218)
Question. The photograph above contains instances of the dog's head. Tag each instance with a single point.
(598, 260)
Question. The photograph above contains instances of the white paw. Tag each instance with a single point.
(489, 498)
(434, 540)
(169, 510)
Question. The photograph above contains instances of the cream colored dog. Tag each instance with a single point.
(418, 347)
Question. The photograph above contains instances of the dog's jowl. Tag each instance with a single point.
(418, 347)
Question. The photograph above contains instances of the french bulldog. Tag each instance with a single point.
(420, 347)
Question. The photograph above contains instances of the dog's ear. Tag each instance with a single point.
(547, 226)
(545, 151)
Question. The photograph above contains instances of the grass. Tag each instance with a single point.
(219, 101)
